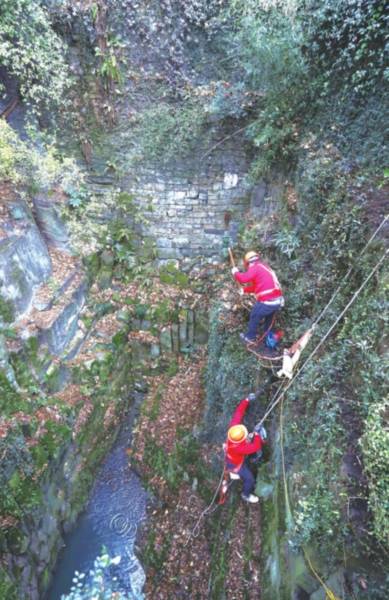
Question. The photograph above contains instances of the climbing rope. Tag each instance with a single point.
(196, 529)
(258, 340)
(280, 393)
(329, 593)
(284, 386)
(349, 271)
(327, 306)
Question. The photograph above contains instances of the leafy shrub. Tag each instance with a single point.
(266, 44)
(171, 275)
(168, 130)
(31, 51)
(98, 584)
(375, 448)
(287, 242)
(6, 310)
(23, 163)
(77, 196)
(345, 42)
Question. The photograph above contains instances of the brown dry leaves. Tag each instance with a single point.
(187, 566)
(41, 415)
(186, 569)
(63, 266)
(73, 396)
(180, 406)
(239, 584)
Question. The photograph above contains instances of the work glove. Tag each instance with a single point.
(241, 291)
(234, 270)
(261, 431)
(251, 397)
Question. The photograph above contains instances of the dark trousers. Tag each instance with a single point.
(260, 311)
(246, 476)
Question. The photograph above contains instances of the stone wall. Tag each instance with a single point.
(192, 209)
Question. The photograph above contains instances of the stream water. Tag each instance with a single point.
(116, 507)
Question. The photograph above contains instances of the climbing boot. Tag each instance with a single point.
(250, 498)
(234, 476)
(245, 339)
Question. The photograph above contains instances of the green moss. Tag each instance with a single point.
(221, 528)
(172, 368)
(163, 313)
(6, 310)
(54, 379)
(51, 443)
(155, 405)
(126, 201)
(10, 400)
(170, 275)
(92, 263)
(8, 588)
(20, 496)
(185, 460)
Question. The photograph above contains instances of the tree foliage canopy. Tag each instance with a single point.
(32, 52)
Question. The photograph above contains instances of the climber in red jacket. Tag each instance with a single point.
(239, 445)
(259, 279)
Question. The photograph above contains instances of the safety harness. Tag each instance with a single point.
(276, 288)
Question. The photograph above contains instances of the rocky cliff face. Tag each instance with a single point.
(79, 331)
(71, 351)
(312, 483)
(25, 261)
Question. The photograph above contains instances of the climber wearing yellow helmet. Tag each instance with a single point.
(259, 279)
(238, 445)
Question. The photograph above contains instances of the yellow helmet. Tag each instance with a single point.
(237, 433)
(249, 256)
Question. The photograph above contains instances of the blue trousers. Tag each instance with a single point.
(247, 478)
(258, 312)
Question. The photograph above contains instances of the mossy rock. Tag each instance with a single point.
(92, 263)
(170, 275)
(140, 352)
(165, 340)
(335, 583)
(300, 574)
(201, 328)
(123, 316)
(8, 588)
(7, 310)
(107, 258)
(104, 277)
(264, 486)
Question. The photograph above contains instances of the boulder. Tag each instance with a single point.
(24, 264)
(50, 223)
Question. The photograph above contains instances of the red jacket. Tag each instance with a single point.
(236, 451)
(262, 282)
